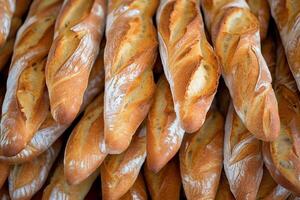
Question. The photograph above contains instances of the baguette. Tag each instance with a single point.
(83, 155)
(7, 9)
(78, 32)
(26, 104)
(166, 183)
(243, 162)
(201, 156)
(235, 35)
(129, 56)
(183, 43)
(286, 14)
(224, 192)
(164, 133)
(119, 172)
(26, 179)
(137, 191)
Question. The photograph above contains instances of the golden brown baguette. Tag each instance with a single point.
(7, 9)
(82, 154)
(286, 14)
(189, 61)
(119, 172)
(78, 32)
(129, 56)
(270, 190)
(201, 156)
(164, 133)
(243, 162)
(235, 35)
(25, 105)
(166, 183)
(224, 192)
(26, 179)
(60, 189)
(137, 191)
(50, 130)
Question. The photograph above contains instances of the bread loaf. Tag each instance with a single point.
(119, 172)
(189, 62)
(243, 162)
(129, 56)
(137, 191)
(235, 35)
(164, 133)
(224, 192)
(25, 106)
(7, 9)
(78, 32)
(201, 156)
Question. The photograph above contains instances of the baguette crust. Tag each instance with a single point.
(183, 43)
(224, 192)
(130, 54)
(137, 191)
(7, 9)
(83, 155)
(119, 172)
(164, 133)
(243, 162)
(235, 34)
(78, 32)
(26, 104)
(166, 183)
(201, 156)
(26, 179)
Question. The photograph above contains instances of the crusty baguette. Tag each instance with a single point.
(268, 48)
(201, 158)
(59, 188)
(189, 61)
(78, 32)
(243, 162)
(25, 105)
(235, 35)
(119, 172)
(166, 183)
(50, 130)
(82, 154)
(26, 179)
(224, 192)
(129, 56)
(164, 133)
(7, 9)
(286, 14)
(137, 191)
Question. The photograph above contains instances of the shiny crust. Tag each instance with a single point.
(50, 130)
(235, 34)
(26, 104)
(60, 189)
(129, 56)
(26, 179)
(164, 133)
(243, 162)
(7, 9)
(165, 184)
(201, 156)
(189, 61)
(119, 172)
(137, 191)
(83, 155)
(286, 14)
(224, 192)
(78, 32)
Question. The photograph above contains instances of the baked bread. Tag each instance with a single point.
(27, 179)
(82, 154)
(119, 172)
(7, 9)
(235, 35)
(164, 133)
(166, 183)
(224, 192)
(137, 191)
(201, 156)
(286, 14)
(78, 32)
(25, 105)
(183, 43)
(243, 162)
(129, 56)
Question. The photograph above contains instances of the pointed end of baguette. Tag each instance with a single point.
(64, 114)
